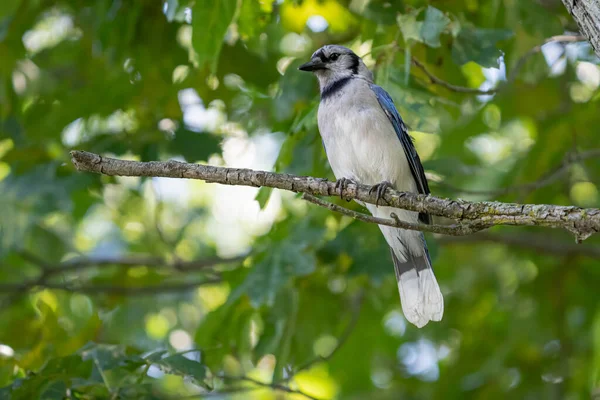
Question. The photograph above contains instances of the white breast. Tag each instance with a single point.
(360, 141)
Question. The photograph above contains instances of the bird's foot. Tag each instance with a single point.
(341, 185)
(379, 189)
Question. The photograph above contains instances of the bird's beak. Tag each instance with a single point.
(312, 65)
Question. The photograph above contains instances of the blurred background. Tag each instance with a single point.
(162, 288)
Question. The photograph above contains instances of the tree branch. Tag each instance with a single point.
(48, 271)
(141, 260)
(20, 288)
(586, 14)
(532, 242)
(455, 229)
(582, 222)
(455, 88)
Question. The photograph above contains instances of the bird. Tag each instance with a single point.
(367, 142)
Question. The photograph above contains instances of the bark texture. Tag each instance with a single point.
(582, 222)
(586, 14)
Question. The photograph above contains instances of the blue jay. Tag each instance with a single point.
(367, 142)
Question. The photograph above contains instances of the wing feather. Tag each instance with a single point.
(416, 168)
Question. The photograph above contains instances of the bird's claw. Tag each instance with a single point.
(379, 189)
(341, 185)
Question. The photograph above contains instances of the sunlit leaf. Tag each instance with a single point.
(179, 365)
(210, 22)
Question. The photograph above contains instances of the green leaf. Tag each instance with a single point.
(410, 27)
(427, 31)
(26, 198)
(434, 24)
(253, 18)
(221, 330)
(30, 388)
(155, 356)
(287, 255)
(383, 11)
(273, 270)
(107, 357)
(479, 45)
(68, 367)
(179, 365)
(210, 21)
(56, 390)
(284, 316)
(263, 196)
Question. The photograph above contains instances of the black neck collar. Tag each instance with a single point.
(334, 87)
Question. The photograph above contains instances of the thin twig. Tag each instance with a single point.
(34, 259)
(554, 39)
(218, 393)
(511, 76)
(274, 386)
(111, 289)
(455, 88)
(48, 271)
(455, 229)
(140, 260)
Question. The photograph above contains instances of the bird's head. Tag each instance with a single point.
(332, 62)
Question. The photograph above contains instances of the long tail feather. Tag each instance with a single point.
(420, 294)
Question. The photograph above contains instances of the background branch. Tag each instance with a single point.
(49, 271)
(527, 241)
(512, 75)
(455, 88)
(20, 288)
(274, 386)
(141, 260)
(583, 222)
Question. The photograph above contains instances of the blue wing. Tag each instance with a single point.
(387, 104)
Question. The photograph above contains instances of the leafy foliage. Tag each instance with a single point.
(154, 288)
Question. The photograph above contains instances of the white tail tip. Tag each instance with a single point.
(421, 298)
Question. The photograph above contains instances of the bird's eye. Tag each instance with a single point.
(334, 56)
